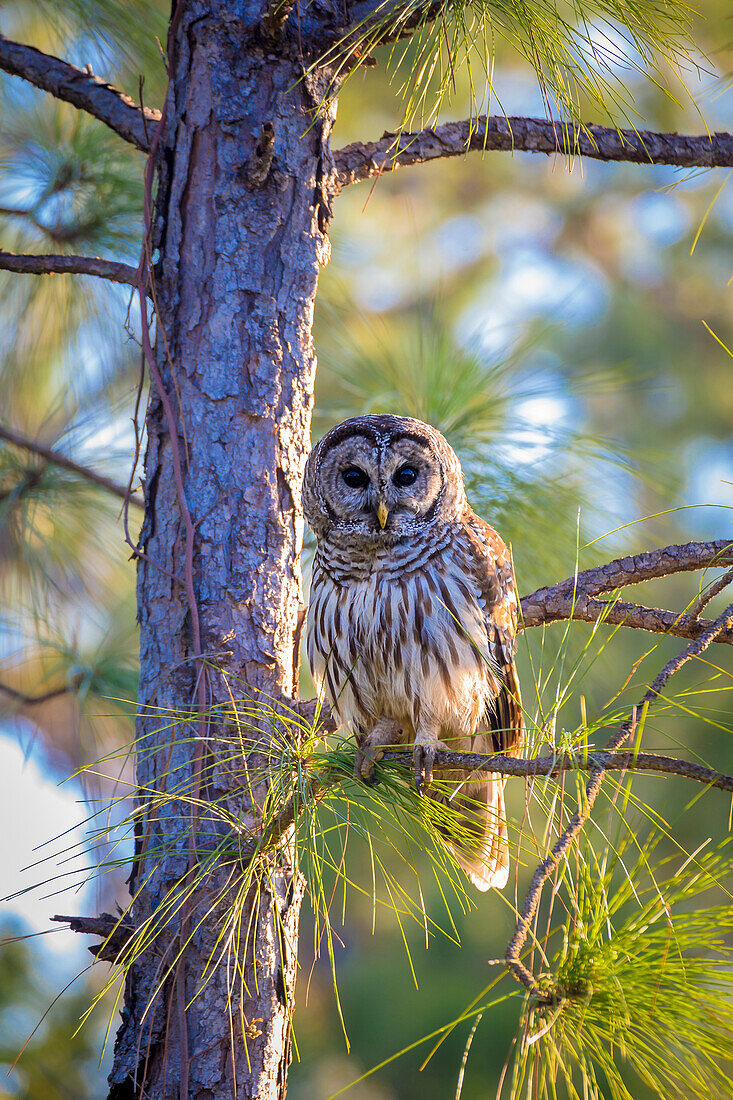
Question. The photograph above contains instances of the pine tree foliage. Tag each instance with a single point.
(576, 51)
(636, 964)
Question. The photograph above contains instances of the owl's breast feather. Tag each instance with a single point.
(401, 646)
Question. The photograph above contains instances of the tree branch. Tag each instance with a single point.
(33, 700)
(553, 766)
(115, 931)
(58, 459)
(362, 160)
(84, 90)
(617, 613)
(573, 598)
(635, 569)
(581, 815)
(705, 597)
(68, 265)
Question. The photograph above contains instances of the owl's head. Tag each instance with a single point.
(381, 478)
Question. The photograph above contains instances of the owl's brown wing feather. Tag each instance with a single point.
(491, 565)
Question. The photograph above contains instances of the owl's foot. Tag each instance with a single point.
(367, 757)
(385, 732)
(423, 759)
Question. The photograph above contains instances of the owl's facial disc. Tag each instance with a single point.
(380, 489)
(410, 484)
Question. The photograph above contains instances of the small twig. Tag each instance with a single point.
(26, 443)
(115, 932)
(705, 597)
(135, 458)
(68, 265)
(27, 700)
(560, 849)
(81, 88)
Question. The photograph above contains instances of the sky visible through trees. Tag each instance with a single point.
(557, 320)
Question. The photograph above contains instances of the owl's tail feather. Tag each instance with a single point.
(483, 849)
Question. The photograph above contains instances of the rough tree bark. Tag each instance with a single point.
(240, 227)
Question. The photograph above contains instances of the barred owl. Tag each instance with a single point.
(412, 618)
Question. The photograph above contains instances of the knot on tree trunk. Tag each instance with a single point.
(257, 168)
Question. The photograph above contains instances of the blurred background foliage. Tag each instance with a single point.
(546, 314)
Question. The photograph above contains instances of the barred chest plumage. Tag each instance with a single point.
(400, 632)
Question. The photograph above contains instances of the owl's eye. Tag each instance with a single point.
(406, 475)
(355, 478)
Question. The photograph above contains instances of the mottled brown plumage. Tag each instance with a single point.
(412, 616)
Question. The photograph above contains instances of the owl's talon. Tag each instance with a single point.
(365, 763)
(423, 761)
(423, 757)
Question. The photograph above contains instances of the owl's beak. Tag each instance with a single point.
(382, 514)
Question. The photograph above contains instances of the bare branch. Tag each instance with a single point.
(579, 818)
(84, 90)
(26, 700)
(634, 569)
(573, 598)
(362, 160)
(553, 766)
(654, 619)
(715, 588)
(58, 459)
(115, 932)
(68, 265)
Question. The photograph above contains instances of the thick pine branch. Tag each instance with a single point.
(682, 557)
(57, 459)
(68, 265)
(362, 160)
(84, 90)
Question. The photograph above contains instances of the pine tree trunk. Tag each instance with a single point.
(240, 227)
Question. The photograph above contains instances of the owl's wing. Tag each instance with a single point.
(490, 563)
